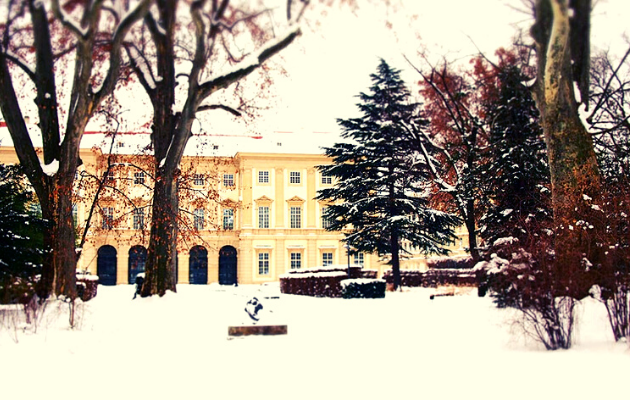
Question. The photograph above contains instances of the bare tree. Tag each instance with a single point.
(35, 37)
(179, 58)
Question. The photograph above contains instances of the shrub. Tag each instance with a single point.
(451, 263)
(363, 288)
(87, 286)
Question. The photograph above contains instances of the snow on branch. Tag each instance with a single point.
(250, 64)
(66, 20)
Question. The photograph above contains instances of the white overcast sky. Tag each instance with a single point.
(331, 65)
(331, 62)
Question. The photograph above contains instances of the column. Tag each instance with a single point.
(311, 204)
(279, 198)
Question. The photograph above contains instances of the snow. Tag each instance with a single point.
(405, 346)
(52, 168)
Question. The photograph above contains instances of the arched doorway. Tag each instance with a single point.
(227, 266)
(106, 261)
(198, 266)
(137, 261)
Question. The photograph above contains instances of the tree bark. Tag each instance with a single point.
(572, 162)
(160, 274)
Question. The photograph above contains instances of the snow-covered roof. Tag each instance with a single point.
(219, 144)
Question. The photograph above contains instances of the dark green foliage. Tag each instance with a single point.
(21, 239)
(363, 289)
(516, 176)
(381, 194)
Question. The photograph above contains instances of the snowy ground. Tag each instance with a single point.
(405, 346)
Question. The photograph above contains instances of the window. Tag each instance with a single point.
(109, 178)
(358, 259)
(108, 217)
(263, 263)
(228, 219)
(228, 180)
(295, 177)
(138, 218)
(296, 260)
(296, 217)
(75, 214)
(263, 217)
(326, 222)
(327, 259)
(198, 179)
(198, 219)
(263, 176)
(326, 180)
(138, 178)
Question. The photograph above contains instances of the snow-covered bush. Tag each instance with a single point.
(434, 277)
(526, 277)
(451, 262)
(87, 286)
(363, 288)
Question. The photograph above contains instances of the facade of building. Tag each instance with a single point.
(248, 218)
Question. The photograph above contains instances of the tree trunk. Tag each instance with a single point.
(162, 251)
(471, 227)
(571, 154)
(395, 248)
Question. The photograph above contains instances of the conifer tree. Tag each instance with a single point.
(380, 198)
(21, 239)
(516, 177)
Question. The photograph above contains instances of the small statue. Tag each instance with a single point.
(252, 308)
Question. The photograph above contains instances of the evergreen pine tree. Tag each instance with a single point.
(21, 240)
(516, 175)
(381, 193)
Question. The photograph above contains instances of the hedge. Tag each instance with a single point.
(363, 288)
(318, 281)
(434, 278)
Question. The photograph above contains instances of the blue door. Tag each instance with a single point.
(227, 266)
(137, 261)
(106, 265)
(198, 266)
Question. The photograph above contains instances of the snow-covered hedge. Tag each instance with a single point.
(434, 277)
(318, 281)
(465, 262)
(87, 286)
(363, 288)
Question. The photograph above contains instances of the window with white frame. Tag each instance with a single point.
(295, 177)
(198, 219)
(359, 259)
(296, 217)
(296, 260)
(326, 180)
(327, 258)
(228, 219)
(263, 263)
(138, 178)
(326, 221)
(263, 217)
(263, 176)
(108, 217)
(198, 179)
(228, 180)
(138, 218)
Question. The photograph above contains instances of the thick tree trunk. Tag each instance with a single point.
(571, 155)
(162, 252)
(59, 265)
(471, 227)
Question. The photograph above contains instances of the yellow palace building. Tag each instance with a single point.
(245, 218)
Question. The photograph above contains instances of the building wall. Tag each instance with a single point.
(260, 181)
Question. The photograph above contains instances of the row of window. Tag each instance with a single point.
(296, 260)
(264, 213)
(295, 178)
